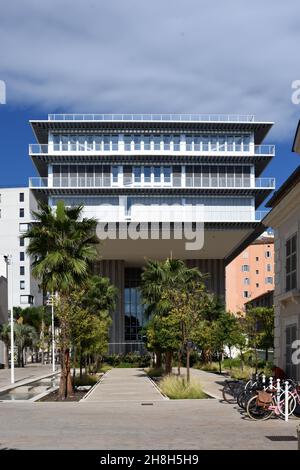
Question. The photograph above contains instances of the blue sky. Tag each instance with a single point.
(197, 56)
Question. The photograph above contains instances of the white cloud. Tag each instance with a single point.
(201, 56)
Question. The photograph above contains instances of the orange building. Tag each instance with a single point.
(250, 274)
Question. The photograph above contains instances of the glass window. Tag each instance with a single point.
(268, 254)
(246, 143)
(157, 140)
(98, 176)
(245, 268)
(156, 172)
(21, 197)
(166, 142)
(189, 142)
(246, 281)
(146, 140)
(269, 280)
(106, 142)
(238, 170)
(230, 140)
(147, 174)
(214, 144)
(81, 175)
(115, 173)
(22, 285)
(291, 263)
(221, 143)
(137, 174)
(64, 169)
(127, 174)
(205, 175)
(106, 176)
(73, 176)
(205, 143)
(176, 142)
(127, 142)
(257, 271)
(189, 176)
(137, 142)
(22, 242)
(56, 175)
(177, 176)
(222, 176)
(246, 176)
(167, 174)
(22, 212)
(238, 143)
(246, 294)
(197, 176)
(22, 270)
(268, 267)
(22, 256)
(257, 258)
(230, 176)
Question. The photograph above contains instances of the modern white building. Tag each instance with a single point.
(16, 205)
(129, 169)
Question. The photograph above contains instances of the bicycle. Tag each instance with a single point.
(231, 390)
(268, 403)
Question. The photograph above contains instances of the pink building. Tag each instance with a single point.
(250, 274)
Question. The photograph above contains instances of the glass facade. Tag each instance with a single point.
(134, 309)
(129, 142)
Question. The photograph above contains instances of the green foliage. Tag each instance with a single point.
(177, 388)
(128, 360)
(155, 372)
(62, 246)
(86, 379)
(207, 366)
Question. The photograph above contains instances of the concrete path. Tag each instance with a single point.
(23, 375)
(125, 385)
(167, 424)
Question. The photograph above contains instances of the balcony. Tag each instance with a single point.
(207, 182)
(154, 117)
(166, 149)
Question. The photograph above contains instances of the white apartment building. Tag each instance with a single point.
(284, 218)
(126, 168)
(16, 205)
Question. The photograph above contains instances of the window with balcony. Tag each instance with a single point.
(137, 174)
(157, 175)
(115, 174)
(147, 174)
(291, 263)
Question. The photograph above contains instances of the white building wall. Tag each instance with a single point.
(12, 225)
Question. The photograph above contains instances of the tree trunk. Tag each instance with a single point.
(6, 356)
(179, 362)
(65, 386)
(168, 359)
(267, 354)
(220, 362)
(188, 365)
(158, 361)
(80, 365)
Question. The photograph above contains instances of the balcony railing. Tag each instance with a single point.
(36, 149)
(154, 117)
(91, 182)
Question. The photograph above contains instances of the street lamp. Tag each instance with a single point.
(8, 261)
(50, 301)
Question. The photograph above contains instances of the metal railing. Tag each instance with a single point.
(91, 182)
(36, 149)
(154, 117)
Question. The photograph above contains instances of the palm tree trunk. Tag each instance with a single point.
(65, 386)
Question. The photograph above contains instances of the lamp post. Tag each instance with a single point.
(8, 261)
(51, 302)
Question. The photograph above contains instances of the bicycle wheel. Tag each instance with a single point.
(258, 413)
(228, 395)
(292, 403)
(241, 399)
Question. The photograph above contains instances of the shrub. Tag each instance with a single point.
(86, 379)
(207, 366)
(155, 372)
(128, 360)
(177, 388)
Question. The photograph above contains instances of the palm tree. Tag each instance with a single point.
(63, 247)
(25, 336)
(5, 337)
(157, 278)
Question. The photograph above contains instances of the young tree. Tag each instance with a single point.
(5, 337)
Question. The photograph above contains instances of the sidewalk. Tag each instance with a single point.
(125, 385)
(23, 375)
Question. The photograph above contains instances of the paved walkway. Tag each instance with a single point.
(125, 385)
(23, 375)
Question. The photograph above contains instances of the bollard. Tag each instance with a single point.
(278, 390)
(264, 381)
(286, 402)
(271, 383)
